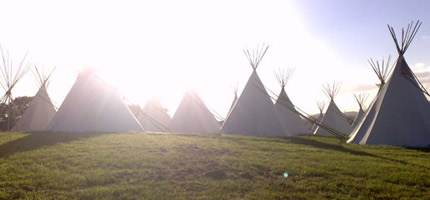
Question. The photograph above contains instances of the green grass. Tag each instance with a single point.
(146, 166)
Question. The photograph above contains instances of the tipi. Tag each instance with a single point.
(333, 118)
(192, 116)
(234, 99)
(8, 80)
(93, 106)
(318, 120)
(288, 115)
(254, 112)
(153, 116)
(361, 99)
(399, 114)
(382, 70)
(40, 110)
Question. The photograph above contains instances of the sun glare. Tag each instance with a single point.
(176, 51)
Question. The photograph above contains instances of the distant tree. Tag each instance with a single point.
(18, 106)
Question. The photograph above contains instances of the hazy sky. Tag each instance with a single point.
(163, 48)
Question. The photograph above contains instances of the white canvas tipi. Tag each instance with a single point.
(40, 111)
(399, 114)
(381, 70)
(254, 112)
(360, 98)
(334, 121)
(192, 116)
(93, 106)
(288, 115)
(318, 120)
(234, 100)
(153, 116)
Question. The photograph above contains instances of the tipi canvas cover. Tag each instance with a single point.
(288, 115)
(318, 120)
(153, 117)
(192, 116)
(360, 98)
(93, 106)
(381, 70)
(38, 114)
(234, 100)
(399, 115)
(254, 112)
(358, 117)
(333, 119)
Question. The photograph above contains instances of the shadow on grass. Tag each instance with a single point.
(423, 149)
(310, 141)
(317, 144)
(36, 140)
(322, 145)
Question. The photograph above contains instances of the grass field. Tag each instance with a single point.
(149, 166)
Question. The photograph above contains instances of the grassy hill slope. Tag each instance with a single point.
(147, 166)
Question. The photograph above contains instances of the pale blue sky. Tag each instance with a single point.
(358, 29)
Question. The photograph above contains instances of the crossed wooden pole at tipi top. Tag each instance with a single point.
(8, 80)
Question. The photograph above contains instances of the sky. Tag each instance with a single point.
(164, 48)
